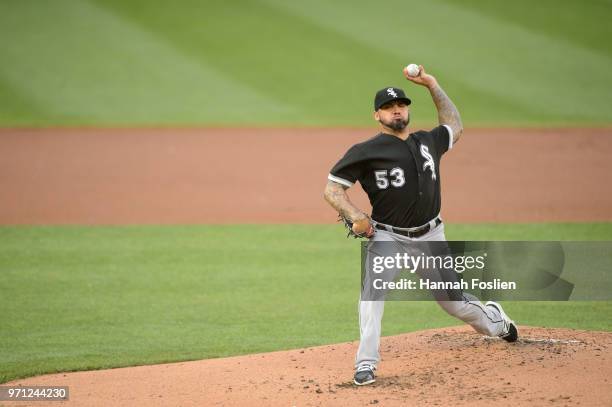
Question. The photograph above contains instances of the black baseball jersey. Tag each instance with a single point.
(401, 178)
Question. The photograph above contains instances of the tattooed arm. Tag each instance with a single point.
(447, 111)
(335, 195)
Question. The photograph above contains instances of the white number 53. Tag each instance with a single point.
(397, 178)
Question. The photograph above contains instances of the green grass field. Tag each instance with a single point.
(77, 298)
(273, 62)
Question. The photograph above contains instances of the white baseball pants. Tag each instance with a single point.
(484, 320)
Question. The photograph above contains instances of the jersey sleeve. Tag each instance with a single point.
(442, 138)
(349, 169)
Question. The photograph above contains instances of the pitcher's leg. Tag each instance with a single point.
(370, 317)
(372, 308)
(485, 320)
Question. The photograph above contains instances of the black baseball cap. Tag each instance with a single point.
(389, 94)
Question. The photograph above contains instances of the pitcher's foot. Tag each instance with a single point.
(510, 333)
(364, 375)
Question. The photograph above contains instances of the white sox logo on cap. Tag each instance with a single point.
(430, 162)
(386, 95)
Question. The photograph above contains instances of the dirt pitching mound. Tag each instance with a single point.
(451, 366)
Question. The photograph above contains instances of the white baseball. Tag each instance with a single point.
(413, 70)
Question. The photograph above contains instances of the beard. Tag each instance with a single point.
(396, 124)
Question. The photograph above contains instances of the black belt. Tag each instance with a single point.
(413, 233)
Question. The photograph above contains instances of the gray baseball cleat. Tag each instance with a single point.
(510, 333)
(364, 375)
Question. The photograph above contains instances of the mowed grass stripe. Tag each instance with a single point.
(404, 34)
(21, 110)
(500, 59)
(271, 62)
(586, 27)
(93, 297)
(83, 64)
(292, 60)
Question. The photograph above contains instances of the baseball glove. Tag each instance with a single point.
(348, 224)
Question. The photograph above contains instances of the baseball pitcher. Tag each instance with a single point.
(400, 172)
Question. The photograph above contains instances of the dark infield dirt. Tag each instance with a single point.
(177, 176)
